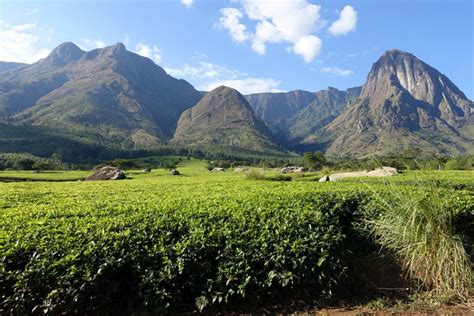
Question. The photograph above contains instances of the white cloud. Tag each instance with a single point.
(347, 22)
(309, 47)
(337, 71)
(246, 85)
(187, 3)
(88, 44)
(204, 70)
(207, 76)
(151, 52)
(230, 20)
(19, 43)
(284, 21)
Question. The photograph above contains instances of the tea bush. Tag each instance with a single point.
(157, 242)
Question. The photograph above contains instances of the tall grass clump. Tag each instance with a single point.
(418, 226)
(253, 174)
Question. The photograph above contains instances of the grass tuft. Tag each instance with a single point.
(418, 226)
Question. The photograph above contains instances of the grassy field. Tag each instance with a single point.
(199, 240)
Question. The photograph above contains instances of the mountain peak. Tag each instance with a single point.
(223, 117)
(113, 50)
(64, 54)
(402, 95)
(394, 52)
(396, 56)
(223, 94)
(223, 89)
(397, 70)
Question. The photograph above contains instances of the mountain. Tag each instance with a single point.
(115, 96)
(326, 106)
(273, 108)
(5, 65)
(223, 118)
(292, 116)
(92, 104)
(404, 104)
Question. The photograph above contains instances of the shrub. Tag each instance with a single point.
(201, 250)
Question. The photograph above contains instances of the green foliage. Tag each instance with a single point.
(405, 161)
(314, 160)
(199, 250)
(28, 162)
(460, 163)
(419, 228)
(156, 242)
(254, 174)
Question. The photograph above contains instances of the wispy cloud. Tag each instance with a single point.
(126, 40)
(21, 43)
(88, 44)
(150, 51)
(230, 20)
(187, 3)
(337, 71)
(207, 76)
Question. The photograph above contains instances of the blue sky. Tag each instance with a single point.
(252, 45)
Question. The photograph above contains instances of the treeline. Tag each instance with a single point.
(405, 163)
(23, 161)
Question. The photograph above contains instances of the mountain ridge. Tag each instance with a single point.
(113, 96)
(111, 90)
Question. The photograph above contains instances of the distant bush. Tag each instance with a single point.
(281, 177)
(460, 163)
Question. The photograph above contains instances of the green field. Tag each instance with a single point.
(200, 240)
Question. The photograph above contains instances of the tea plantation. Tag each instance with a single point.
(159, 243)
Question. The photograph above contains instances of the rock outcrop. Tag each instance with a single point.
(378, 172)
(404, 104)
(107, 173)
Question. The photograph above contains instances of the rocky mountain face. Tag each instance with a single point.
(110, 96)
(404, 103)
(223, 118)
(116, 95)
(326, 106)
(295, 115)
(275, 108)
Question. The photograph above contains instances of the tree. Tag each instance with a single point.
(314, 160)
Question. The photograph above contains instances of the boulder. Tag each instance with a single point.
(217, 169)
(379, 172)
(174, 172)
(292, 169)
(343, 175)
(107, 173)
(239, 169)
(324, 179)
(382, 172)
